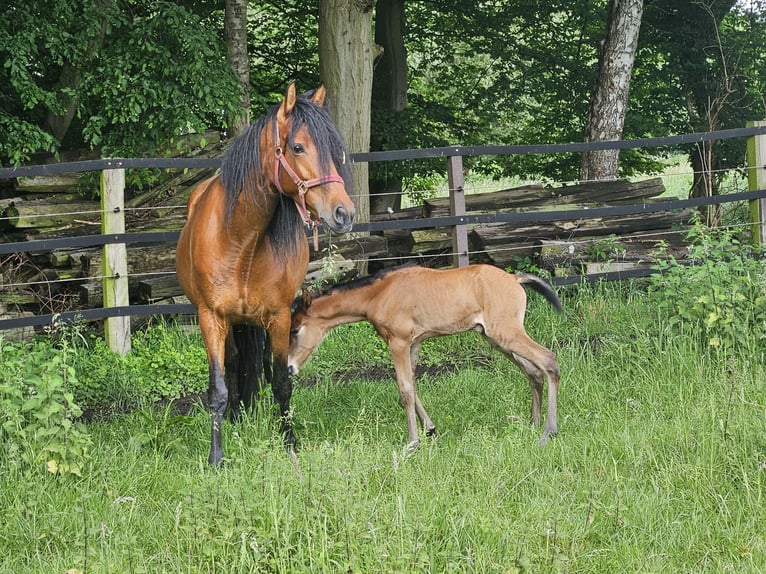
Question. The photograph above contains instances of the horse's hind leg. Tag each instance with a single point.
(535, 377)
(231, 375)
(281, 384)
(534, 360)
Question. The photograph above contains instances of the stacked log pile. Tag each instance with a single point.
(66, 279)
(563, 246)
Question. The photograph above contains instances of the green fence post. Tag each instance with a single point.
(756, 179)
(115, 260)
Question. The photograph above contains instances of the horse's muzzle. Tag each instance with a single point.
(343, 219)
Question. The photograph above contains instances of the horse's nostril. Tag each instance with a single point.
(342, 216)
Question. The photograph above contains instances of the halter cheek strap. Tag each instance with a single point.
(303, 185)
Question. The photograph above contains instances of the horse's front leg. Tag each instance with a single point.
(214, 331)
(425, 420)
(281, 383)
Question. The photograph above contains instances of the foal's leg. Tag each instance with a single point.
(535, 377)
(281, 384)
(425, 420)
(517, 345)
(400, 352)
(214, 331)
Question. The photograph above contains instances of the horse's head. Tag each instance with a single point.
(312, 165)
(306, 332)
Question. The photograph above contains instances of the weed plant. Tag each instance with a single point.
(660, 464)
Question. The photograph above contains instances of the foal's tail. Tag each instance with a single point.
(542, 287)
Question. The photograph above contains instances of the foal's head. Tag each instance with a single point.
(306, 332)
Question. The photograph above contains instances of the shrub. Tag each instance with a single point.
(37, 408)
(719, 295)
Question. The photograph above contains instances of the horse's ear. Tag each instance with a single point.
(319, 95)
(288, 104)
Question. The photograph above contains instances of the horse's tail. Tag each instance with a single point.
(252, 370)
(541, 286)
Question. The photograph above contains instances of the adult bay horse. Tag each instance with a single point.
(408, 305)
(243, 251)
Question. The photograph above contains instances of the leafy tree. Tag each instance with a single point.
(121, 75)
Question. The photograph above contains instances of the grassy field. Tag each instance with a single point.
(660, 466)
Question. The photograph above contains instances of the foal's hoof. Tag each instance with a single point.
(412, 446)
(544, 439)
(431, 433)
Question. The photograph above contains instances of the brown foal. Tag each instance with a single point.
(411, 304)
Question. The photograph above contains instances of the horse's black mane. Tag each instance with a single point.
(241, 170)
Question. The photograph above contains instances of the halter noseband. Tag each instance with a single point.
(303, 185)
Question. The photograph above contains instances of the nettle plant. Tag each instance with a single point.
(38, 412)
(719, 293)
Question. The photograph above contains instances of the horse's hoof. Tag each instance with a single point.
(431, 433)
(412, 446)
(215, 462)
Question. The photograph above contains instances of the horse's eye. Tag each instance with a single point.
(298, 148)
(294, 331)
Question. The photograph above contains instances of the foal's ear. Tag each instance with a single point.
(319, 95)
(288, 103)
(305, 299)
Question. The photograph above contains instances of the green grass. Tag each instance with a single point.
(660, 466)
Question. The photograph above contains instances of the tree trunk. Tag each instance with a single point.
(389, 92)
(235, 30)
(69, 83)
(609, 101)
(346, 53)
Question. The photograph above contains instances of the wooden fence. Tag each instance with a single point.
(117, 310)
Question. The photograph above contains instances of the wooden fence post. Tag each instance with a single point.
(457, 207)
(114, 267)
(756, 178)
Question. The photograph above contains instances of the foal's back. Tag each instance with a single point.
(417, 302)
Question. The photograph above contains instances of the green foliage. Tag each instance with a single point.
(164, 363)
(606, 249)
(720, 296)
(161, 433)
(37, 424)
(133, 77)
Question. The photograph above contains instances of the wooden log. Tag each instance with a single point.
(491, 201)
(61, 183)
(18, 297)
(328, 270)
(610, 192)
(597, 192)
(151, 289)
(42, 214)
(431, 240)
(406, 213)
(18, 334)
(500, 233)
(91, 293)
(142, 259)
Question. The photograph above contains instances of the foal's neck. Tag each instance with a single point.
(342, 307)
